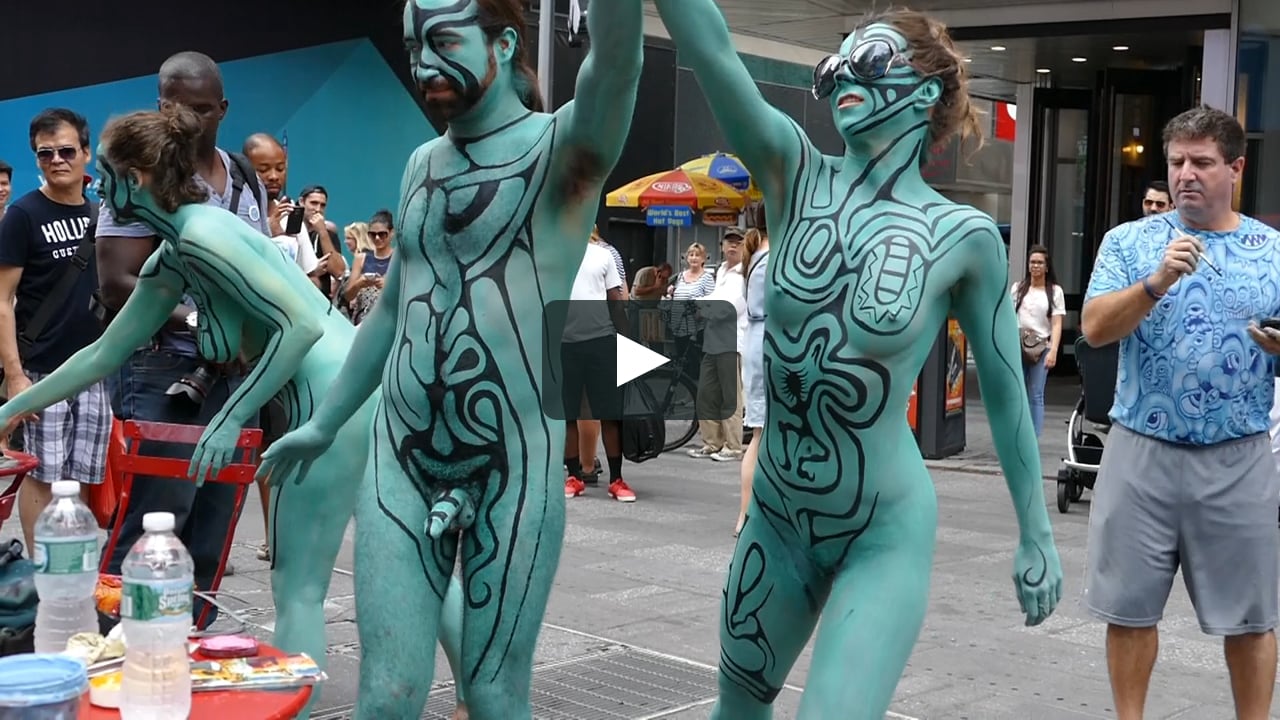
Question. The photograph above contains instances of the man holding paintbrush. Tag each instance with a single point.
(1187, 478)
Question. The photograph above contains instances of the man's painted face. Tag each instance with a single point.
(870, 82)
(450, 57)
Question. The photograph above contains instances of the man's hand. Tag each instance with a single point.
(315, 221)
(1267, 338)
(290, 457)
(278, 217)
(14, 384)
(1180, 258)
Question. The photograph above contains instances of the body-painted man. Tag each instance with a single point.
(493, 221)
(251, 300)
(867, 263)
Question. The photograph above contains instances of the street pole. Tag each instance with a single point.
(546, 46)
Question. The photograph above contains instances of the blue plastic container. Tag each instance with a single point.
(43, 687)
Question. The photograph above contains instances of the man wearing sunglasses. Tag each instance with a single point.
(39, 239)
(867, 264)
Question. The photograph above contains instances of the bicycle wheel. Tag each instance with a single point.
(678, 395)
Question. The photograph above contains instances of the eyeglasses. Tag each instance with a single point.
(868, 60)
(66, 152)
(378, 234)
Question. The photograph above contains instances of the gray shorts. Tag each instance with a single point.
(1209, 510)
(70, 437)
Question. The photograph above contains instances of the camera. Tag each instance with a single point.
(194, 385)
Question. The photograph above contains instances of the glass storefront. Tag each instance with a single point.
(1258, 107)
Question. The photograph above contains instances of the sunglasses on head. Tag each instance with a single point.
(66, 152)
(869, 60)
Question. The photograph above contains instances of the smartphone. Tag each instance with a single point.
(293, 225)
(1273, 323)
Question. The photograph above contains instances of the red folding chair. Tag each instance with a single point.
(16, 465)
(240, 472)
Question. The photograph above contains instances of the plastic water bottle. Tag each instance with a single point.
(155, 608)
(66, 559)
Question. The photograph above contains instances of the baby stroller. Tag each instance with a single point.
(1087, 429)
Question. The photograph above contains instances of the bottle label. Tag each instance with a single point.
(69, 556)
(156, 600)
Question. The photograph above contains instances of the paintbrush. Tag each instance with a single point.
(1203, 257)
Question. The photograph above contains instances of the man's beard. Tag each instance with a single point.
(460, 99)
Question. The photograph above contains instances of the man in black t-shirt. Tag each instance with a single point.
(38, 240)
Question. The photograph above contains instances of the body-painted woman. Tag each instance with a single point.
(494, 217)
(867, 263)
(252, 301)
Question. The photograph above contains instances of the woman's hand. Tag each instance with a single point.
(216, 449)
(1052, 358)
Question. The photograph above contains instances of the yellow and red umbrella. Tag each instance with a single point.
(677, 188)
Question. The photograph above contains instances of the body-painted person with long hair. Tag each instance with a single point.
(866, 264)
(251, 300)
(492, 226)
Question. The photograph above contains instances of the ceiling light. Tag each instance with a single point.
(1043, 71)
(968, 59)
(1119, 48)
(998, 48)
(1079, 59)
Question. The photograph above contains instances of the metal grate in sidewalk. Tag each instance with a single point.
(617, 683)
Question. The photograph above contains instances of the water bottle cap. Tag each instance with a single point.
(66, 488)
(35, 681)
(157, 522)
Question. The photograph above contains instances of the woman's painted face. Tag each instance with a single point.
(115, 192)
(870, 82)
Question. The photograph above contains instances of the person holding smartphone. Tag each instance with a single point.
(369, 269)
(284, 218)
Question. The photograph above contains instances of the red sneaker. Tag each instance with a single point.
(620, 491)
(573, 487)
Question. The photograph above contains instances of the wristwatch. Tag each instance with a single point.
(192, 320)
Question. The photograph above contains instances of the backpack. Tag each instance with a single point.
(643, 427)
(243, 173)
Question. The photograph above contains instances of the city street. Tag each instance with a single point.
(631, 631)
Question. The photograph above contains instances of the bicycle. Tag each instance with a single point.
(677, 395)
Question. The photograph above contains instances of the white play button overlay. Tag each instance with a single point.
(635, 360)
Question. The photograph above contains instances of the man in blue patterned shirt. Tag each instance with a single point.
(1187, 478)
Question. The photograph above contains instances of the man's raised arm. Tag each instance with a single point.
(604, 99)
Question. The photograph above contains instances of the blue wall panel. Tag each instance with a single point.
(350, 123)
